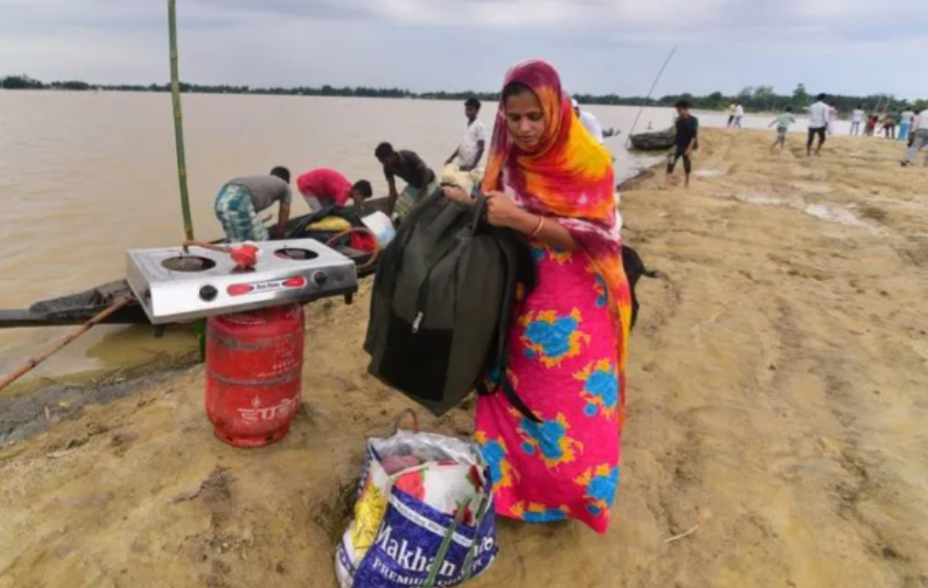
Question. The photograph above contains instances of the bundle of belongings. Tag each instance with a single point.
(423, 515)
(469, 181)
(330, 222)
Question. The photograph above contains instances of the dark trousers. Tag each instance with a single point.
(821, 136)
(676, 154)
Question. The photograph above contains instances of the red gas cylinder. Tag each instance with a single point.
(254, 366)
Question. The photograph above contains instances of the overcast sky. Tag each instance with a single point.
(599, 46)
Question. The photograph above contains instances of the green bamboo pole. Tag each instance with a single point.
(179, 123)
(200, 325)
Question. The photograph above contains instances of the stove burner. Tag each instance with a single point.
(188, 263)
(173, 286)
(296, 254)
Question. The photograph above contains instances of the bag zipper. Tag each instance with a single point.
(422, 300)
(423, 297)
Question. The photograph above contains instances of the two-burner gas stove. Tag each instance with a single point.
(175, 285)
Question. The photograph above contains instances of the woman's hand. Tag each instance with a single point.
(455, 193)
(503, 212)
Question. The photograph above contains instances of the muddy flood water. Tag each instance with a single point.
(86, 176)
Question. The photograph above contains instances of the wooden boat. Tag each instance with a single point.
(653, 141)
(75, 309)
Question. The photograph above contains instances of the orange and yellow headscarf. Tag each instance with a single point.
(568, 178)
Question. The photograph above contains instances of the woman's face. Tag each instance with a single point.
(525, 120)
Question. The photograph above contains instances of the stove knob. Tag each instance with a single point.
(208, 293)
(320, 278)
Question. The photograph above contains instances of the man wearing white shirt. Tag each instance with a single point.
(590, 122)
(856, 119)
(739, 114)
(818, 122)
(919, 138)
(470, 151)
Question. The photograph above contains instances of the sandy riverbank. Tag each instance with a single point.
(778, 400)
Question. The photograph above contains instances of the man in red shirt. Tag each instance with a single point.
(325, 187)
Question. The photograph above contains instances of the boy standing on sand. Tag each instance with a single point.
(871, 125)
(783, 121)
(470, 151)
(687, 127)
(818, 122)
(739, 115)
(856, 119)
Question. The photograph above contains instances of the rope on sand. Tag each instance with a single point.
(681, 535)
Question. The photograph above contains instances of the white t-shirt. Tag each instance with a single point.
(921, 121)
(832, 113)
(818, 115)
(858, 116)
(592, 125)
(474, 133)
(907, 116)
(739, 110)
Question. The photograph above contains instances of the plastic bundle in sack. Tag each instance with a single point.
(423, 517)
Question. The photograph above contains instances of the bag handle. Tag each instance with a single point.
(399, 418)
(478, 523)
(510, 308)
(480, 211)
(449, 536)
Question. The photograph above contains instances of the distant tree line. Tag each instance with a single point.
(764, 99)
(755, 98)
(22, 82)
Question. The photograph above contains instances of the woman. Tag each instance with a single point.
(548, 179)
